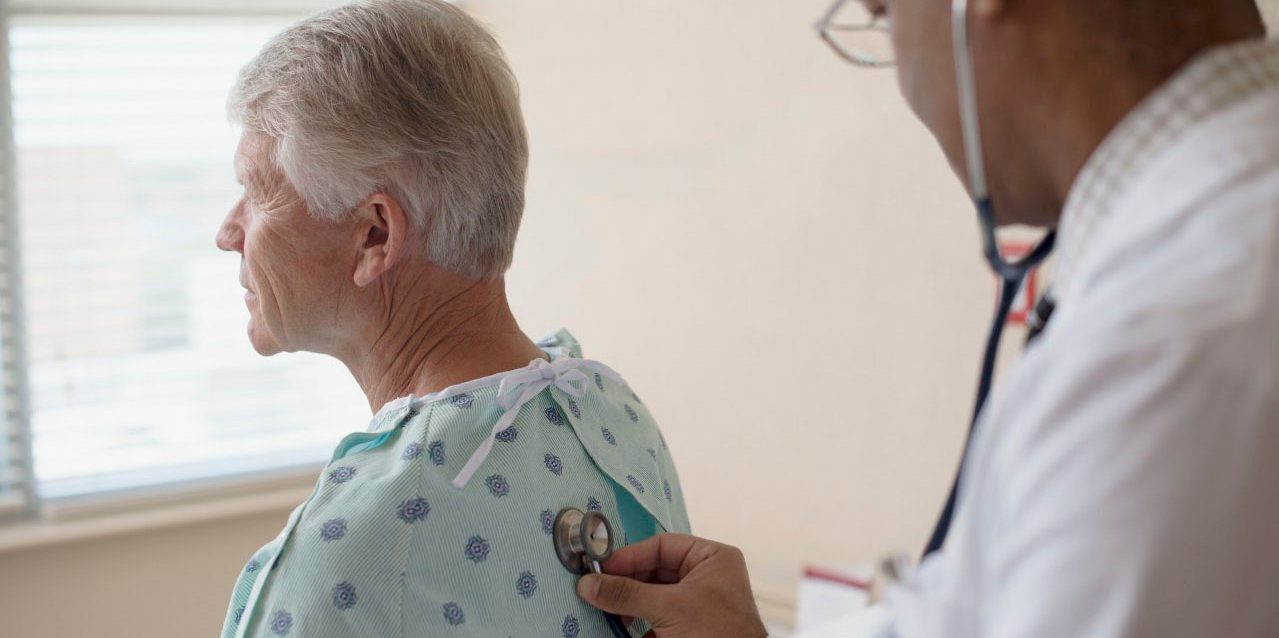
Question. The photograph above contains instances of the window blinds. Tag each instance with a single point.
(15, 461)
(140, 373)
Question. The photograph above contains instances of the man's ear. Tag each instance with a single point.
(382, 230)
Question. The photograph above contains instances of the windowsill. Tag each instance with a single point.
(71, 520)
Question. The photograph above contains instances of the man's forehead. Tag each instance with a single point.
(251, 160)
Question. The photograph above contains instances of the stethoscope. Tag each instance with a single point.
(582, 541)
(1011, 274)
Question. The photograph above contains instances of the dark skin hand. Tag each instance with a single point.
(684, 586)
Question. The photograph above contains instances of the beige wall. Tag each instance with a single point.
(759, 237)
(158, 584)
(764, 241)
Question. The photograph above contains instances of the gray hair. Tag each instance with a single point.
(408, 97)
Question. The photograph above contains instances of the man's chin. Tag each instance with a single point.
(263, 342)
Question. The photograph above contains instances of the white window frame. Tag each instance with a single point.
(63, 519)
(15, 405)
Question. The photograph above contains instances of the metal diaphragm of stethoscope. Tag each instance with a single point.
(582, 541)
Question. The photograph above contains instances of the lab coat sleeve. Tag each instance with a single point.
(1138, 496)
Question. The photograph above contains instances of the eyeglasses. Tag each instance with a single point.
(857, 33)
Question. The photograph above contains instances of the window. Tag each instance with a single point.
(139, 370)
(15, 477)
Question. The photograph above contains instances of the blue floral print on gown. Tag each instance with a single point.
(387, 546)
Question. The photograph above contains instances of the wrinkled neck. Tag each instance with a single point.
(425, 341)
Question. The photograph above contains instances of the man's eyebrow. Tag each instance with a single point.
(250, 179)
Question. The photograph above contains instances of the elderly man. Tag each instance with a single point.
(1123, 481)
(383, 161)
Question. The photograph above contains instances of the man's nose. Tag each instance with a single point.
(231, 234)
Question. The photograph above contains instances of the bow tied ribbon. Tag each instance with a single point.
(519, 388)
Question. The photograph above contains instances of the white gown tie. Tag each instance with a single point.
(518, 388)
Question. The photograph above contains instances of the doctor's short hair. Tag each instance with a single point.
(413, 98)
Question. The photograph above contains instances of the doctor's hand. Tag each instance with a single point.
(684, 586)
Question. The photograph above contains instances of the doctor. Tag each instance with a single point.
(1124, 479)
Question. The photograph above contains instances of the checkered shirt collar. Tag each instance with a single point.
(1210, 83)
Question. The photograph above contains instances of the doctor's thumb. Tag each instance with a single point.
(619, 595)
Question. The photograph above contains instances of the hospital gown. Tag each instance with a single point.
(389, 545)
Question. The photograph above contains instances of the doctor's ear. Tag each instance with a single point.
(382, 231)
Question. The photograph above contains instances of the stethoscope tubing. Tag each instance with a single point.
(1011, 277)
(615, 625)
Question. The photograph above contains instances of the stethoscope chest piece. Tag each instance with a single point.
(581, 539)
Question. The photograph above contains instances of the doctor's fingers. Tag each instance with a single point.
(698, 609)
(666, 558)
(712, 598)
(624, 596)
(673, 611)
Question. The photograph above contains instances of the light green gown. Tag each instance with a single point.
(389, 545)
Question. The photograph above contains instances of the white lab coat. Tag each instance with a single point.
(1125, 478)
